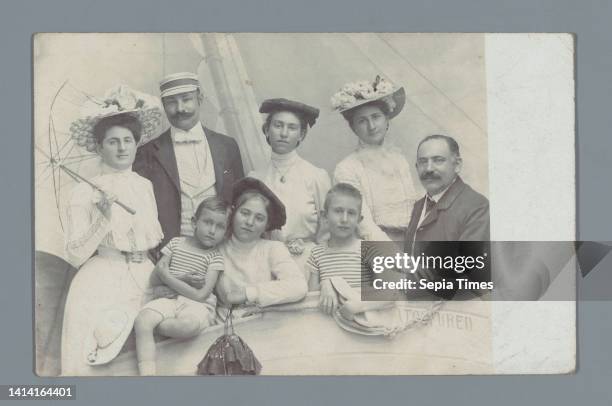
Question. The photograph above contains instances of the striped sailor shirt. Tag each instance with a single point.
(347, 263)
(185, 259)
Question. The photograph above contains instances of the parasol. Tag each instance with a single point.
(65, 153)
(229, 354)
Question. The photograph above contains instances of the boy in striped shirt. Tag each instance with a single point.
(341, 255)
(189, 267)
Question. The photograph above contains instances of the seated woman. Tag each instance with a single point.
(257, 272)
(381, 173)
(300, 185)
(108, 243)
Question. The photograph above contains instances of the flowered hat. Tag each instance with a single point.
(278, 217)
(309, 113)
(118, 100)
(356, 94)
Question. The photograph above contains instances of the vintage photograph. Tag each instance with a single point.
(201, 199)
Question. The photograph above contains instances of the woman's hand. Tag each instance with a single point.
(105, 204)
(328, 300)
(295, 247)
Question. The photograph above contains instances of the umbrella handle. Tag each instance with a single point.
(125, 207)
(79, 177)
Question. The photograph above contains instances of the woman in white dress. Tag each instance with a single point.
(378, 170)
(107, 242)
(300, 185)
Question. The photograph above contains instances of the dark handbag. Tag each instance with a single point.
(229, 355)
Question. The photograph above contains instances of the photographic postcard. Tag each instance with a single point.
(506, 99)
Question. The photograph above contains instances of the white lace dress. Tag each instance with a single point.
(382, 174)
(106, 279)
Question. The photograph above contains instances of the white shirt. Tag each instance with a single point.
(196, 172)
(436, 198)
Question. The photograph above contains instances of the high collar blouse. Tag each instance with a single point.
(382, 174)
(89, 229)
(301, 187)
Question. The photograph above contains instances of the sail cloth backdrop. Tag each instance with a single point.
(443, 74)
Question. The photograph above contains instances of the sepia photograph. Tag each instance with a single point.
(201, 199)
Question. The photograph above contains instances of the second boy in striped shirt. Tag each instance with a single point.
(341, 256)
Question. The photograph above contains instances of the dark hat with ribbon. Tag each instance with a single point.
(277, 214)
(309, 113)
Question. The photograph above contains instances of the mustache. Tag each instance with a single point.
(183, 115)
(430, 176)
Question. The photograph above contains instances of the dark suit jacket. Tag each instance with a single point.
(156, 161)
(462, 214)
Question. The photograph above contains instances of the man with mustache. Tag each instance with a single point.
(189, 162)
(451, 210)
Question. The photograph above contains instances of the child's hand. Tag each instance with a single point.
(295, 247)
(194, 279)
(350, 309)
(328, 300)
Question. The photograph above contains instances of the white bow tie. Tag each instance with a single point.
(186, 138)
